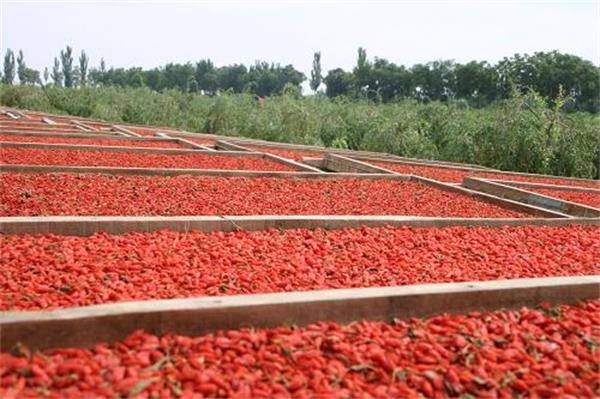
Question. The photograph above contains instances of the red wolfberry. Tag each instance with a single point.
(34, 156)
(88, 194)
(340, 371)
(46, 271)
(90, 141)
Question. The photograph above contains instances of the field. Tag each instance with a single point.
(142, 261)
(520, 134)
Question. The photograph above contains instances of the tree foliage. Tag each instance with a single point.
(57, 76)
(83, 68)
(315, 74)
(9, 68)
(66, 60)
(478, 84)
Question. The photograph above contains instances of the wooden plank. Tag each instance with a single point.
(528, 197)
(193, 145)
(84, 126)
(314, 162)
(86, 326)
(526, 185)
(420, 162)
(123, 129)
(227, 146)
(10, 114)
(88, 225)
(48, 121)
(339, 163)
(292, 163)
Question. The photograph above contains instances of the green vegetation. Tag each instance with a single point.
(380, 81)
(523, 133)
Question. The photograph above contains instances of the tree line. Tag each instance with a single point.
(479, 83)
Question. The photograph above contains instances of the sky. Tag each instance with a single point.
(153, 33)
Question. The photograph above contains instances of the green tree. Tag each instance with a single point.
(389, 81)
(434, 80)
(338, 83)
(21, 67)
(232, 77)
(476, 82)
(266, 79)
(57, 76)
(548, 73)
(83, 68)
(207, 78)
(315, 74)
(178, 76)
(362, 71)
(66, 59)
(9, 67)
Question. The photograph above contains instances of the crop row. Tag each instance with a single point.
(90, 141)
(48, 271)
(45, 129)
(457, 175)
(33, 126)
(580, 197)
(66, 157)
(544, 352)
(94, 194)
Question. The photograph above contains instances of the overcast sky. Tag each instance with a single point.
(152, 33)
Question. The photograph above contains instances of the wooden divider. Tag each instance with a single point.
(422, 162)
(193, 145)
(48, 121)
(86, 326)
(83, 126)
(340, 163)
(88, 225)
(318, 163)
(227, 146)
(525, 185)
(123, 129)
(539, 200)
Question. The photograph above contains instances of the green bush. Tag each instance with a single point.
(523, 133)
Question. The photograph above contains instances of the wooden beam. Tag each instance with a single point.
(88, 225)
(531, 198)
(86, 326)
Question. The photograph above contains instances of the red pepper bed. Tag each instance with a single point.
(42, 272)
(89, 194)
(548, 352)
(28, 156)
(90, 141)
